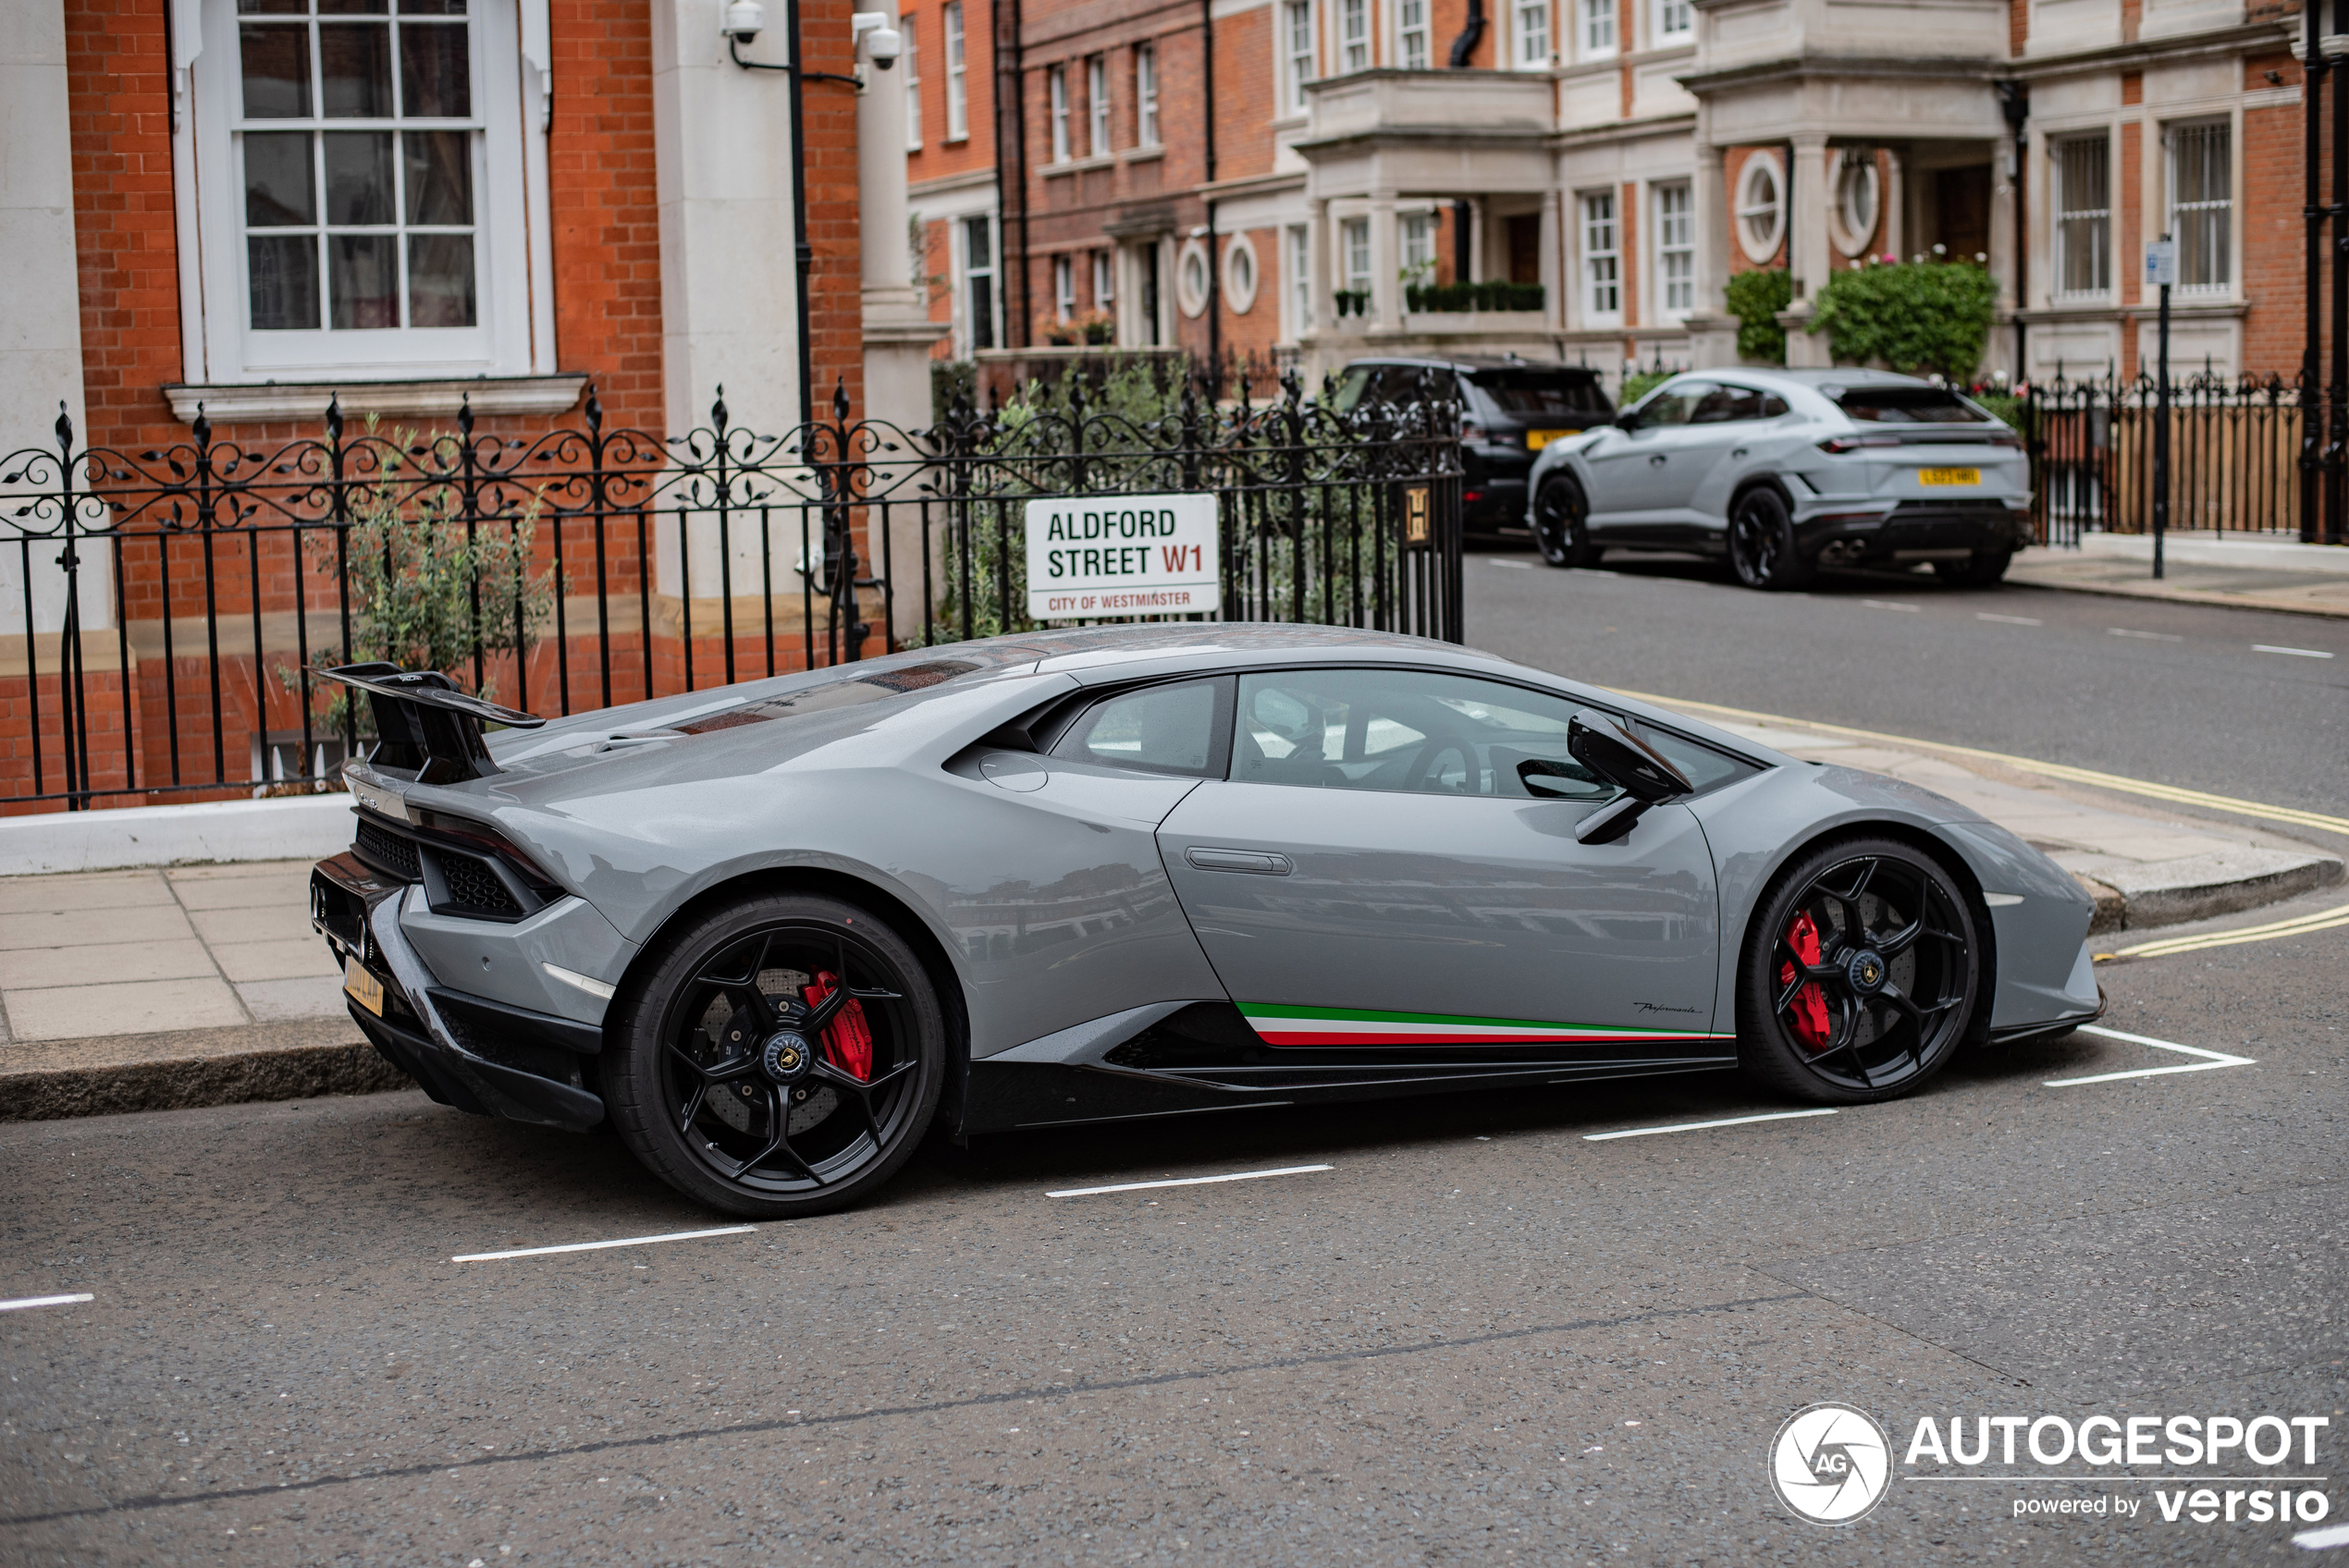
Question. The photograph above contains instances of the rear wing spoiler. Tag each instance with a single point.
(425, 725)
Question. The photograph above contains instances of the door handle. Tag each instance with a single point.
(1260, 862)
(1738, 452)
(1655, 459)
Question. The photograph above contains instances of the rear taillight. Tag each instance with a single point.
(2007, 439)
(1836, 445)
(485, 837)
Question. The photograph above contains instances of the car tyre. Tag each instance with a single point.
(1862, 973)
(737, 1074)
(1982, 570)
(1561, 523)
(1761, 547)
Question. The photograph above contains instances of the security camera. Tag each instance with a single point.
(882, 42)
(744, 20)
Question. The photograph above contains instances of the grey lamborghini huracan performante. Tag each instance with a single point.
(774, 933)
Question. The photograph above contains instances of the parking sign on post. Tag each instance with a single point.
(1097, 555)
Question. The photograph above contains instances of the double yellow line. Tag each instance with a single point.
(2289, 816)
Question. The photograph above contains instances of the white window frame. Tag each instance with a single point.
(958, 103)
(1416, 238)
(1601, 233)
(1064, 288)
(1299, 257)
(1530, 49)
(1105, 280)
(1673, 22)
(912, 66)
(1672, 220)
(1354, 35)
(2222, 209)
(2095, 222)
(1299, 54)
(1412, 35)
(506, 274)
(971, 269)
(1056, 97)
(1762, 247)
(1146, 94)
(1354, 251)
(1595, 24)
(1097, 137)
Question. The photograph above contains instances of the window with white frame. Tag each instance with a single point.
(1056, 96)
(1598, 28)
(1761, 207)
(1146, 94)
(1300, 279)
(1064, 288)
(1532, 28)
(958, 102)
(911, 63)
(1297, 49)
(1356, 237)
(2202, 204)
(1601, 256)
(1410, 34)
(1419, 246)
(368, 159)
(1096, 105)
(1675, 22)
(2084, 216)
(1675, 250)
(980, 308)
(1354, 35)
(1104, 280)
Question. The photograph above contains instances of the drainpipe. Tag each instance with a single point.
(1013, 105)
(1214, 272)
(1470, 34)
(804, 256)
(2014, 102)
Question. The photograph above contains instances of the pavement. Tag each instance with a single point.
(2245, 571)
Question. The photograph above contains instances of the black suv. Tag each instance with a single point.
(1510, 409)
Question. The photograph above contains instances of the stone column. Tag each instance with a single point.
(1999, 352)
(1807, 247)
(1713, 335)
(1895, 203)
(1552, 263)
(1386, 260)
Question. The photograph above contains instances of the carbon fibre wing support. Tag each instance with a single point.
(426, 725)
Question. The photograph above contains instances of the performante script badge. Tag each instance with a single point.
(1830, 1464)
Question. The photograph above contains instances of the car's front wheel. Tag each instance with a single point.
(1862, 975)
(1762, 546)
(782, 1055)
(1562, 522)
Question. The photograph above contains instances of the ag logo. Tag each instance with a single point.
(1830, 1464)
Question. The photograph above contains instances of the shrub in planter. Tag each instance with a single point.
(1921, 318)
(1756, 298)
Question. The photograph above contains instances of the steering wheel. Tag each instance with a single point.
(1428, 764)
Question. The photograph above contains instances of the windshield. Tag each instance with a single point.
(1544, 393)
(1907, 405)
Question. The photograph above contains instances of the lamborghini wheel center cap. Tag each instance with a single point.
(1866, 969)
(787, 1057)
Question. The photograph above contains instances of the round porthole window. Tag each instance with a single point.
(1191, 278)
(1761, 206)
(1858, 198)
(1239, 273)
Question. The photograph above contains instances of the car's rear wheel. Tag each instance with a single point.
(1862, 975)
(1981, 570)
(1562, 522)
(781, 1056)
(1762, 548)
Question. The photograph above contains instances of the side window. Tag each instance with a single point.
(1157, 729)
(1351, 387)
(1725, 405)
(1772, 405)
(1675, 404)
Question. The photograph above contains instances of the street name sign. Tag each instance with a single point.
(1093, 556)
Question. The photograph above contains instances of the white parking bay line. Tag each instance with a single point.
(1188, 1180)
(2319, 1540)
(2008, 619)
(2295, 653)
(1700, 1126)
(2148, 636)
(2211, 1058)
(22, 1301)
(1519, 565)
(1889, 605)
(599, 1246)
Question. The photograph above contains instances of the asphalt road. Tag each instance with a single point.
(1481, 1336)
(2179, 693)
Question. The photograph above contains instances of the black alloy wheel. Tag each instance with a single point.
(1862, 975)
(1561, 523)
(782, 1055)
(1762, 546)
(1981, 570)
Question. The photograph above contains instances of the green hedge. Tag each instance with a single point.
(1473, 297)
(1929, 317)
(1756, 299)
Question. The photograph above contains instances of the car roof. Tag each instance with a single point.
(1470, 363)
(1815, 380)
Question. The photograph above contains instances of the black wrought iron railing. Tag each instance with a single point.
(160, 610)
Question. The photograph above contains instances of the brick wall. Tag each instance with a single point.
(2274, 237)
(603, 205)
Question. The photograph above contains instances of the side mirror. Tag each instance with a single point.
(1628, 763)
(1625, 418)
(1546, 778)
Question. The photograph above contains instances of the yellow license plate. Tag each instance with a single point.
(363, 987)
(1949, 476)
(1537, 439)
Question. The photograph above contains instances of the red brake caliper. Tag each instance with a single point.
(1810, 1006)
(848, 1039)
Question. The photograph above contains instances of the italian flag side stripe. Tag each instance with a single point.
(1284, 1025)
